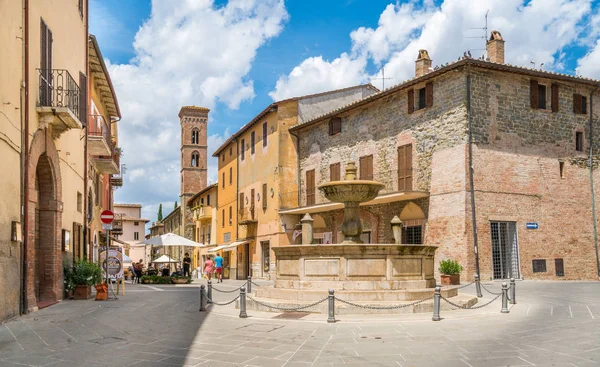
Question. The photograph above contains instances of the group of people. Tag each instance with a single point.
(215, 266)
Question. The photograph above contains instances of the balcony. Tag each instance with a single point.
(108, 164)
(247, 216)
(117, 225)
(99, 137)
(116, 181)
(60, 101)
(203, 212)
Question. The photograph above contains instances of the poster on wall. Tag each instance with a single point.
(115, 263)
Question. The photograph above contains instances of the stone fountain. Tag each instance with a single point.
(369, 274)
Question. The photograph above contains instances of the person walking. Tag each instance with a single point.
(219, 268)
(187, 262)
(139, 267)
(209, 266)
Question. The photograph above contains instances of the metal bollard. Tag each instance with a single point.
(331, 308)
(209, 292)
(513, 300)
(249, 284)
(504, 298)
(202, 298)
(243, 313)
(436, 303)
(478, 286)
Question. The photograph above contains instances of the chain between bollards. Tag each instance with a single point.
(436, 303)
(243, 313)
(504, 298)
(513, 292)
(202, 298)
(209, 292)
(331, 307)
(478, 286)
(249, 284)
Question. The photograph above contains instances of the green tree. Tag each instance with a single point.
(160, 213)
(175, 207)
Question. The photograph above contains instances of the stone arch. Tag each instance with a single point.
(411, 212)
(44, 222)
(319, 222)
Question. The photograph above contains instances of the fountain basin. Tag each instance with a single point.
(351, 191)
(355, 267)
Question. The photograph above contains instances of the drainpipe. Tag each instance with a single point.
(25, 153)
(473, 216)
(592, 180)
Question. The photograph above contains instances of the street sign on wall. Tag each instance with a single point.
(532, 225)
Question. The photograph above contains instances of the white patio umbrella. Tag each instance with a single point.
(164, 259)
(171, 239)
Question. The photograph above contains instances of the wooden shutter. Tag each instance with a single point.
(366, 167)
(264, 196)
(334, 172)
(310, 187)
(533, 94)
(83, 99)
(405, 168)
(429, 94)
(251, 199)
(370, 167)
(241, 201)
(577, 102)
(554, 99)
(411, 101)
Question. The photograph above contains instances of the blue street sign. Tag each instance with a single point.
(532, 225)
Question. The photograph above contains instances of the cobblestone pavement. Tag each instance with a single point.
(553, 324)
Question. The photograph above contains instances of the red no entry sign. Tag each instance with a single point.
(107, 216)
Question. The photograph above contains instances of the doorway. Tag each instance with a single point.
(505, 250)
(266, 258)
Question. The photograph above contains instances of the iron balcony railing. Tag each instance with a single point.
(59, 89)
(98, 127)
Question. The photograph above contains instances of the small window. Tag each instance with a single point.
(136, 236)
(366, 167)
(223, 180)
(230, 151)
(201, 201)
(539, 266)
(230, 215)
(195, 136)
(579, 141)
(335, 126)
(264, 134)
(230, 176)
(541, 97)
(412, 235)
(195, 158)
(264, 196)
(241, 201)
(579, 104)
(208, 199)
(422, 99)
(561, 167)
(243, 150)
(559, 266)
(223, 218)
(136, 223)
(79, 202)
(334, 172)
(252, 141)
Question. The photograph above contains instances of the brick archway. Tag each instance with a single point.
(44, 223)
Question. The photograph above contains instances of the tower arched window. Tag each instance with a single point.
(195, 158)
(195, 136)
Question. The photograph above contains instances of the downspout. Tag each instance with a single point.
(592, 181)
(471, 184)
(25, 152)
(85, 149)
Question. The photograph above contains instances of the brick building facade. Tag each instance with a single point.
(530, 147)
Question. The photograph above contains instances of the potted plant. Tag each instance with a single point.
(68, 280)
(180, 280)
(450, 272)
(84, 275)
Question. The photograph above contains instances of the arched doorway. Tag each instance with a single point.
(44, 222)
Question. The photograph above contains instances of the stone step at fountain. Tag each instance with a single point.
(464, 300)
(365, 285)
(352, 295)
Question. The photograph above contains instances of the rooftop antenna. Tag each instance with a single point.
(485, 30)
(383, 78)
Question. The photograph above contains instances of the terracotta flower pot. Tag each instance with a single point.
(82, 292)
(453, 279)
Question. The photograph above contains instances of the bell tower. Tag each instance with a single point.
(193, 160)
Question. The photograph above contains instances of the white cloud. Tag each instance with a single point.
(186, 53)
(588, 65)
(537, 31)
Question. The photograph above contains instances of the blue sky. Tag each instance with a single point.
(236, 56)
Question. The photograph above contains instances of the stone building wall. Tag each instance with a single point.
(517, 163)
(380, 128)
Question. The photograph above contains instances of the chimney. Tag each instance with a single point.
(495, 48)
(423, 64)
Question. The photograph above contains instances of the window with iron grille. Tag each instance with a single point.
(136, 236)
(412, 235)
